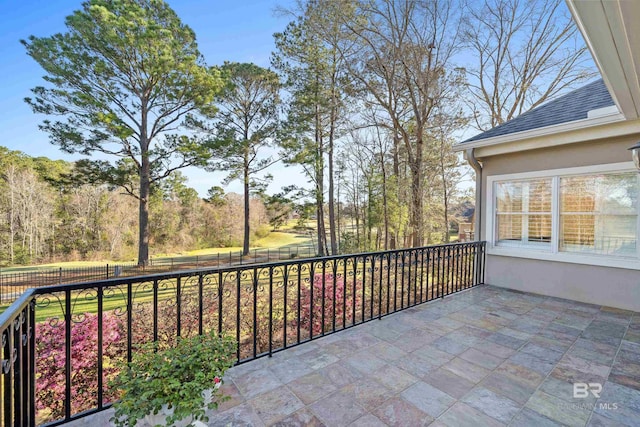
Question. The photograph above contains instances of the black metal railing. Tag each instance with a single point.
(61, 344)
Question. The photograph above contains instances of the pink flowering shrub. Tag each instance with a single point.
(343, 297)
(51, 358)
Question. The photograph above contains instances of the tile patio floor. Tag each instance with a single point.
(483, 357)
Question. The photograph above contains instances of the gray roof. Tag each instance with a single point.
(570, 107)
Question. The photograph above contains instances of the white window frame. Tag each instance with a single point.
(552, 253)
(525, 222)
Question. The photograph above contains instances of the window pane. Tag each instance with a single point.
(523, 212)
(615, 193)
(509, 227)
(598, 214)
(509, 197)
(540, 228)
(540, 196)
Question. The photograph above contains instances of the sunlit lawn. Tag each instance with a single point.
(274, 240)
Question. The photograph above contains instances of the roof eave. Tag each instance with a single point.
(611, 33)
(564, 133)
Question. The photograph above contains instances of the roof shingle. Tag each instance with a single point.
(570, 107)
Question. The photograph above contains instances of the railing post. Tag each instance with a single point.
(484, 255)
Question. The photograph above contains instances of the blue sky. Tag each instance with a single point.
(240, 31)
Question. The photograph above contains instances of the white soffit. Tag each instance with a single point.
(611, 29)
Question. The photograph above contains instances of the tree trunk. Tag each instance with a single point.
(417, 212)
(332, 211)
(145, 184)
(247, 229)
(393, 244)
(322, 233)
(143, 215)
(384, 202)
(319, 171)
(445, 194)
(12, 214)
(332, 127)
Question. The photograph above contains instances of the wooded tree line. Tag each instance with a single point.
(49, 218)
(367, 96)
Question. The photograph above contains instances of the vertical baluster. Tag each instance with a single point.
(284, 320)
(324, 279)
(255, 312)
(484, 259)
(18, 368)
(201, 305)
(407, 254)
(270, 311)
(100, 350)
(459, 260)
(354, 293)
(344, 293)
(380, 290)
(238, 295)
(130, 319)
(439, 290)
(32, 363)
(220, 288)
(7, 384)
(454, 265)
(451, 269)
(395, 283)
(466, 265)
(179, 306)
(388, 282)
(155, 310)
(414, 281)
(429, 265)
(298, 313)
(364, 285)
(67, 361)
(373, 277)
(334, 270)
(421, 275)
(311, 271)
(476, 266)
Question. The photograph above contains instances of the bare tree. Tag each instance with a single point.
(405, 48)
(524, 52)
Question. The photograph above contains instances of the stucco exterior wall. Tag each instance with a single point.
(613, 287)
(616, 287)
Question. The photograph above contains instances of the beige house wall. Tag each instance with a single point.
(616, 287)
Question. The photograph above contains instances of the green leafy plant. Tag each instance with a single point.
(174, 377)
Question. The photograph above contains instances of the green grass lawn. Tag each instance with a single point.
(273, 240)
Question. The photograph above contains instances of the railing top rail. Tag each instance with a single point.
(212, 270)
(16, 307)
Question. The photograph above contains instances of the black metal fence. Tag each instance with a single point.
(61, 344)
(13, 284)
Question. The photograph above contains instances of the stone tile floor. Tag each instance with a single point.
(483, 357)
